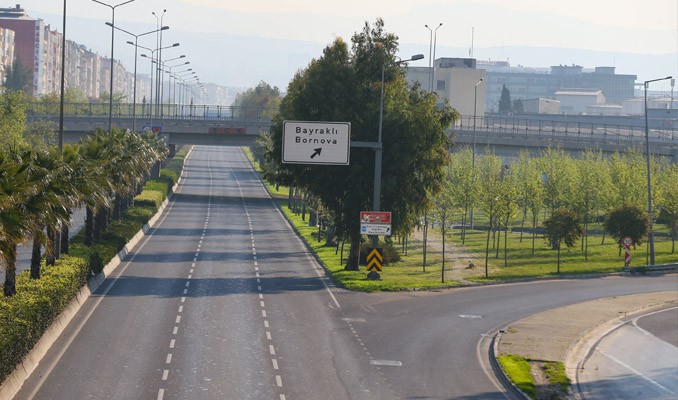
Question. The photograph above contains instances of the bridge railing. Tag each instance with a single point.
(146, 111)
(569, 129)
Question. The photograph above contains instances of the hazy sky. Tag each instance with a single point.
(625, 26)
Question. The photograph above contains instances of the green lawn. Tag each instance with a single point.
(408, 273)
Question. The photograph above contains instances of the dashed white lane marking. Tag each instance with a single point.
(175, 331)
(161, 394)
(275, 364)
(278, 380)
(271, 349)
(387, 363)
(266, 324)
(168, 360)
(172, 343)
(181, 308)
(165, 374)
(263, 313)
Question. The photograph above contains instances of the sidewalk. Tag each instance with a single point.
(566, 334)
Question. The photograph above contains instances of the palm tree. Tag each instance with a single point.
(16, 185)
(50, 207)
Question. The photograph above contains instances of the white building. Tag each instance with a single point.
(576, 102)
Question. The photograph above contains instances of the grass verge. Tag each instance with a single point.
(518, 370)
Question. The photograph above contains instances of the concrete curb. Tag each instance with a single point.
(580, 350)
(11, 386)
(501, 374)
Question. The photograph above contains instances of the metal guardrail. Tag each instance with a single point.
(566, 130)
(145, 111)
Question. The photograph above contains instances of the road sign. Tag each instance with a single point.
(374, 260)
(375, 223)
(315, 142)
(627, 256)
(627, 241)
(375, 229)
(157, 129)
(375, 217)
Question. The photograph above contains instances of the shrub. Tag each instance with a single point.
(169, 176)
(25, 316)
(149, 198)
(519, 372)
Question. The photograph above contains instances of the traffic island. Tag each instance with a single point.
(565, 335)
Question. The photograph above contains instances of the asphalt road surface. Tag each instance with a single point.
(639, 360)
(222, 301)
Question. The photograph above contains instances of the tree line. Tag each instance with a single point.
(40, 186)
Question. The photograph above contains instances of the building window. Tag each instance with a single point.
(440, 85)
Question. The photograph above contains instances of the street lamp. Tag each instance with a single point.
(158, 45)
(63, 84)
(136, 48)
(649, 185)
(431, 58)
(473, 148)
(153, 60)
(376, 203)
(110, 101)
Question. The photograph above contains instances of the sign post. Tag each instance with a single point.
(375, 223)
(627, 241)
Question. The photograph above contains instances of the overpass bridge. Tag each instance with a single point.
(236, 126)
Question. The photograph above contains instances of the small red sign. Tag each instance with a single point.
(627, 241)
(375, 217)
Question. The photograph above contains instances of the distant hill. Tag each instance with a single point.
(238, 61)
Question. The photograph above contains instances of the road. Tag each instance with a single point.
(638, 360)
(222, 301)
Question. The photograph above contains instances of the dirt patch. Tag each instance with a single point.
(460, 262)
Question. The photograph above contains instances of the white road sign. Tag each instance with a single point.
(375, 229)
(312, 142)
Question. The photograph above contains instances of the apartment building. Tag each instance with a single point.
(6, 51)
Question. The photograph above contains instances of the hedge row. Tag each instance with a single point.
(26, 316)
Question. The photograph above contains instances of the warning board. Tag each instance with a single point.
(374, 260)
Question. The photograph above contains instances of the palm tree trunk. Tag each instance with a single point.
(64, 239)
(36, 257)
(50, 247)
(89, 226)
(9, 289)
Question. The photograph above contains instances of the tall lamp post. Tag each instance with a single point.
(158, 46)
(649, 184)
(136, 48)
(153, 60)
(431, 58)
(473, 148)
(63, 84)
(161, 68)
(110, 101)
(376, 201)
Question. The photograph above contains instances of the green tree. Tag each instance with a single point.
(18, 78)
(12, 119)
(562, 227)
(40, 134)
(517, 106)
(558, 177)
(263, 100)
(461, 175)
(628, 220)
(17, 184)
(505, 101)
(443, 211)
(669, 204)
(415, 144)
(490, 176)
(530, 189)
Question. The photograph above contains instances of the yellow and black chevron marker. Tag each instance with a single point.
(374, 260)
